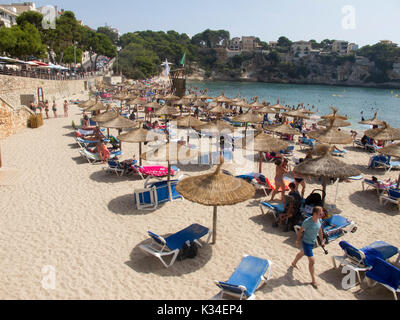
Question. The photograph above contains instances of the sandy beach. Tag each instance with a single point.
(58, 210)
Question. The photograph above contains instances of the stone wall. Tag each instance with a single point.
(12, 119)
(11, 88)
(13, 115)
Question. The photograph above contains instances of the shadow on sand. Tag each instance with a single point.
(369, 200)
(125, 205)
(144, 263)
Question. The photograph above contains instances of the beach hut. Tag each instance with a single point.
(215, 189)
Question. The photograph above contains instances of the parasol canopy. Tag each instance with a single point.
(248, 117)
(171, 97)
(119, 123)
(283, 129)
(106, 116)
(96, 107)
(373, 122)
(215, 189)
(189, 122)
(295, 114)
(86, 104)
(215, 126)
(219, 109)
(279, 107)
(166, 111)
(392, 150)
(337, 123)
(385, 133)
(330, 135)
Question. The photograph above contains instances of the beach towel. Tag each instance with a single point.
(155, 171)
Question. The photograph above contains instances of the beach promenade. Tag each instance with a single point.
(58, 210)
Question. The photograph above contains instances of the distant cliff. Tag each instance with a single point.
(314, 69)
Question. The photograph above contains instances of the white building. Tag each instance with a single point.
(235, 44)
(8, 16)
(21, 7)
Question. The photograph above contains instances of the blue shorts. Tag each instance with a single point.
(308, 249)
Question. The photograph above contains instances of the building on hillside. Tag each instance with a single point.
(8, 16)
(273, 44)
(249, 43)
(352, 47)
(235, 44)
(386, 42)
(301, 48)
(340, 47)
(21, 7)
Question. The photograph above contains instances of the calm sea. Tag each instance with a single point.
(350, 101)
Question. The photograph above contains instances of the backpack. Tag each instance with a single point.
(188, 251)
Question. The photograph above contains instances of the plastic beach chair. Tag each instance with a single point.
(359, 260)
(247, 278)
(115, 166)
(275, 209)
(379, 187)
(170, 246)
(160, 192)
(386, 274)
(392, 196)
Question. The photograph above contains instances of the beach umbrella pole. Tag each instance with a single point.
(140, 153)
(214, 236)
(260, 162)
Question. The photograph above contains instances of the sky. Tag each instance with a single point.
(359, 21)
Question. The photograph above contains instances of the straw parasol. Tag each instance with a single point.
(140, 135)
(96, 107)
(219, 109)
(119, 122)
(279, 107)
(295, 114)
(204, 97)
(215, 126)
(166, 111)
(190, 97)
(283, 129)
(266, 109)
(171, 97)
(337, 123)
(385, 133)
(189, 122)
(170, 152)
(392, 150)
(334, 115)
(215, 189)
(106, 116)
(200, 103)
(263, 142)
(242, 103)
(330, 135)
(247, 118)
(373, 122)
(86, 104)
(182, 102)
(326, 167)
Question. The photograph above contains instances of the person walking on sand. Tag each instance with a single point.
(281, 169)
(54, 108)
(65, 109)
(46, 109)
(306, 237)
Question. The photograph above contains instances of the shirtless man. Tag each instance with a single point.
(281, 169)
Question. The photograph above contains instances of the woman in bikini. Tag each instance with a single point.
(281, 169)
(299, 180)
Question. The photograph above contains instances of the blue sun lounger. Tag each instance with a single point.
(386, 274)
(155, 194)
(359, 260)
(247, 278)
(275, 209)
(170, 246)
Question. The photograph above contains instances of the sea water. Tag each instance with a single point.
(353, 102)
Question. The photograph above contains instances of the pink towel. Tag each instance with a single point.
(155, 171)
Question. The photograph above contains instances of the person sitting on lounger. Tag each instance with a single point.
(383, 184)
(128, 163)
(102, 151)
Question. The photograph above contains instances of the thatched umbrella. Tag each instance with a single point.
(392, 150)
(279, 107)
(385, 133)
(86, 104)
(337, 123)
(216, 126)
(170, 152)
(96, 107)
(295, 114)
(119, 123)
(247, 118)
(200, 103)
(190, 97)
(326, 167)
(219, 109)
(330, 135)
(170, 97)
(181, 102)
(215, 189)
(283, 129)
(334, 115)
(167, 111)
(204, 97)
(106, 116)
(189, 122)
(373, 122)
(263, 142)
(140, 135)
(266, 109)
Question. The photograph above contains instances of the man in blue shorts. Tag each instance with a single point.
(309, 231)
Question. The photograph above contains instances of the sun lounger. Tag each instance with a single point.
(372, 147)
(152, 196)
(115, 166)
(170, 246)
(247, 278)
(387, 163)
(85, 143)
(359, 260)
(260, 182)
(275, 208)
(379, 187)
(307, 143)
(338, 153)
(94, 157)
(392, 195)
(386, 274)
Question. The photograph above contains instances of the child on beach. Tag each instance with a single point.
(54, 108)
(65, 109)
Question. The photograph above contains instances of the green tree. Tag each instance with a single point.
(112, 35)
(33, 17)
(211, 38)
(28, 42)
(284, 43)
(8, 40)
(69, 55)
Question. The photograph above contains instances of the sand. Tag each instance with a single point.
(65, 213)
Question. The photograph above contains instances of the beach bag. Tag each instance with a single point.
(188, 251)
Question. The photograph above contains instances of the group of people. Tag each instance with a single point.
(45, 106)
